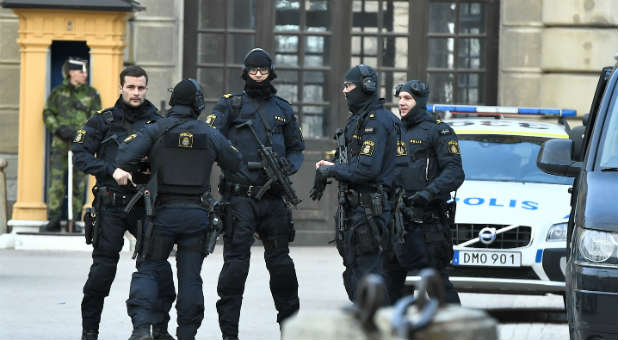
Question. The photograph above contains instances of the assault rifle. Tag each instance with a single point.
(272, 167)
(341, 157)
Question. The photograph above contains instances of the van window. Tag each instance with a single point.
(608, 152)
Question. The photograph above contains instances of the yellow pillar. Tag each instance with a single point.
(31, 157)
(104, 33)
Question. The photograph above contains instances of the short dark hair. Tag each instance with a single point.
(133, 71)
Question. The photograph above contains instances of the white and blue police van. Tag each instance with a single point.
(509, 234)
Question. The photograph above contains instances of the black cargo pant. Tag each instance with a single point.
(270, 219)
(105, 255)
(438, 252)
(362, 247)
(186, 227)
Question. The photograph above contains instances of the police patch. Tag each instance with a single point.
(130, 138)
(185, 140)
(210, 120)
(279, 118)
(368, 148)
(79, 137)
(453, 147)
(445, 132)
(401, 149)
(370, 130)
(416, 141)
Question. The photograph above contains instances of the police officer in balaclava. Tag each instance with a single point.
(250, 212)
(372, 140)
(182, 151)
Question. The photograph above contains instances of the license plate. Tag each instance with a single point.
(487, 258)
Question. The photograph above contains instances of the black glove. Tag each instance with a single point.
(321, 179)
(286, 166)
(420, 198)
(66, 133)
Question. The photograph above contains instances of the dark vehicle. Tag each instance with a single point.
(592, 232)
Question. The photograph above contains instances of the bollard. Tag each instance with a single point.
(3, 202)
(410, 318)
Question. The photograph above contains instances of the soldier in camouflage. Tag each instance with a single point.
(68, 107)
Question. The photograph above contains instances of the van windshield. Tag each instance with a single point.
(504, 158)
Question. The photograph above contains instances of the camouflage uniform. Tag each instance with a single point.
(67, 106)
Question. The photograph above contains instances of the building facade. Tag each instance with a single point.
(488, 52)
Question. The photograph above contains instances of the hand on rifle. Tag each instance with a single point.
(323, 171)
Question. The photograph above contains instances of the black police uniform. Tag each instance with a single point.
(101, 136)
(375, 150)
(433, 171)
(182, 151)
(269, 216)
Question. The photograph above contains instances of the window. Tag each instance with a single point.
(224, 35)
(302, 47)
(460, 64)
(380, 31)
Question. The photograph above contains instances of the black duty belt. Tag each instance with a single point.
(355, 198)
(238, 189)
(112, 197)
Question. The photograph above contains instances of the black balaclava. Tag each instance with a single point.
(420, 92)
(359, 98)
(263, 90)
(184, 94)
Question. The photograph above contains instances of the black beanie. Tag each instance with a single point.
(258, 57)
(418, 89)
(184, 93)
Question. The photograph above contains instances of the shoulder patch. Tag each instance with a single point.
(210, 119)
(453, 147)
(368, 148)
(227, 95)
(130, 138)
(79, 137)
(401, 148)
(370, 130)
(445, 132)
(185, 140)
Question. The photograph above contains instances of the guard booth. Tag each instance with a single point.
(92, 27)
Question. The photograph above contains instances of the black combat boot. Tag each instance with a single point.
(159, 332)
(141, 333)
(90, 335)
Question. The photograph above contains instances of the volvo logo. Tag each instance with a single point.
(487, 235)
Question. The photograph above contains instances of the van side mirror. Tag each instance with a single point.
(556, 158)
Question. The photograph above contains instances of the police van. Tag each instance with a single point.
(509, 234)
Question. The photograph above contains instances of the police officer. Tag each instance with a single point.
(68, 106)
(374, 150)
(273, 121)
(182, 151)
(101, 136)
(433, 171)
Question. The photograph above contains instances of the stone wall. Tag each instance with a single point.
(551, 51)
(154, 42)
